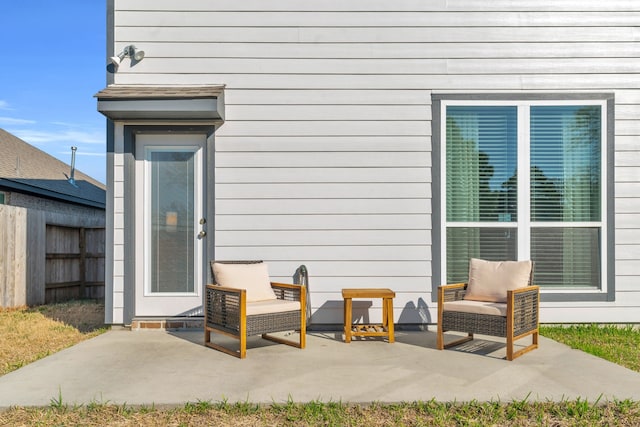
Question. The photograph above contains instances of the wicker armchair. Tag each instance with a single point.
(513, 319)
(228, 312)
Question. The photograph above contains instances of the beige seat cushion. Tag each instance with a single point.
(254, 278)
(490, 280)
(476, 307)
(272, 306)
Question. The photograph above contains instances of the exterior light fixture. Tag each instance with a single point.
(130, 51)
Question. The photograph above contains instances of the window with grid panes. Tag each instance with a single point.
(525, 180)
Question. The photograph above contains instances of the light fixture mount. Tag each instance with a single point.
(130, 51)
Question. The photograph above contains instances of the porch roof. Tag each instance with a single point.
(145, 102)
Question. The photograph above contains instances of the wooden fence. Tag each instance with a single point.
(22, 253)
(43, 263)
(75, 263)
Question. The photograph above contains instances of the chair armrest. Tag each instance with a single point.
(521, 292)
(452, 292)
(288, 292)
(528, 295)
(524, 304)
(224, 306)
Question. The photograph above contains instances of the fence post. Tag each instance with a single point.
(83, 257)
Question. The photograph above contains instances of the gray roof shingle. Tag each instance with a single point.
(25, 168)
(159, 92)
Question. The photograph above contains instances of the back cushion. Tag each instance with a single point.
(490, 280)
(254, 278)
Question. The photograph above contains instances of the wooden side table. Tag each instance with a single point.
(376, 330)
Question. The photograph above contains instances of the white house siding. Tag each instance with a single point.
(325, 155)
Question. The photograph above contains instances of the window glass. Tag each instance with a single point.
(567, 257)
(565, 163)
(481, 163)
(557, 221)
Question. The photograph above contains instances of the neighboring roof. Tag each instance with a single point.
(27, 169)
(159, 92)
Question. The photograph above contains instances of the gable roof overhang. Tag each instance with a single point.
(157, 103)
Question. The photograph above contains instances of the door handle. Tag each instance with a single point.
(202, 234)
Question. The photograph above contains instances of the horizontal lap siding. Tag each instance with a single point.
(627, 212)
(325, 155)
(344, 190)
(381, 5)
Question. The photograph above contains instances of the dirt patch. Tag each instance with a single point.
(29, 334)
(85, 316)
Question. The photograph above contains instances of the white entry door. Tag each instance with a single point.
(170, 224)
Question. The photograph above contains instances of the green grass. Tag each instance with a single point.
(69, 323)
(29, 334)
(316, 413)
(615, 343)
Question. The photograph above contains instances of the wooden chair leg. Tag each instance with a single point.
(534, 344)
(302, 340)
(243, 329)
(440, 345)
(303, 331)
(440, 334)
(210, 344)
(243, 346)
(298, 344)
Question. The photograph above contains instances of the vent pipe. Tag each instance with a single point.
(71, 179)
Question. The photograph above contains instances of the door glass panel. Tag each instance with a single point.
(172, 221)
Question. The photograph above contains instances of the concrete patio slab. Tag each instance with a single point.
(172, 368)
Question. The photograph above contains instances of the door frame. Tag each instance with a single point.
(150, 303)
(127, 209)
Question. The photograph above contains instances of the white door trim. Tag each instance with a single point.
(167, 304)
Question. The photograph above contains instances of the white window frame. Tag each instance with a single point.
(523, 222)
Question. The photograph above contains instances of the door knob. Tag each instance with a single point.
(202, 234)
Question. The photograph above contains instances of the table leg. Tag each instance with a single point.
(347, 320)
(388, 304)
(385, 315)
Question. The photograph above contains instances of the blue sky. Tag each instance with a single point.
(53, 62)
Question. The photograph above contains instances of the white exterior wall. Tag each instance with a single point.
(114, 288)
(325, 155)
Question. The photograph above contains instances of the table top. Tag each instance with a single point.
(368, 293)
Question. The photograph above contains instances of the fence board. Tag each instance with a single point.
(42, 263)
(21, 256)
(75, 263)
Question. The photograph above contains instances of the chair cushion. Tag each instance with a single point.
(254, 278)
(490, 280)
(272, 306)
(476, 307)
